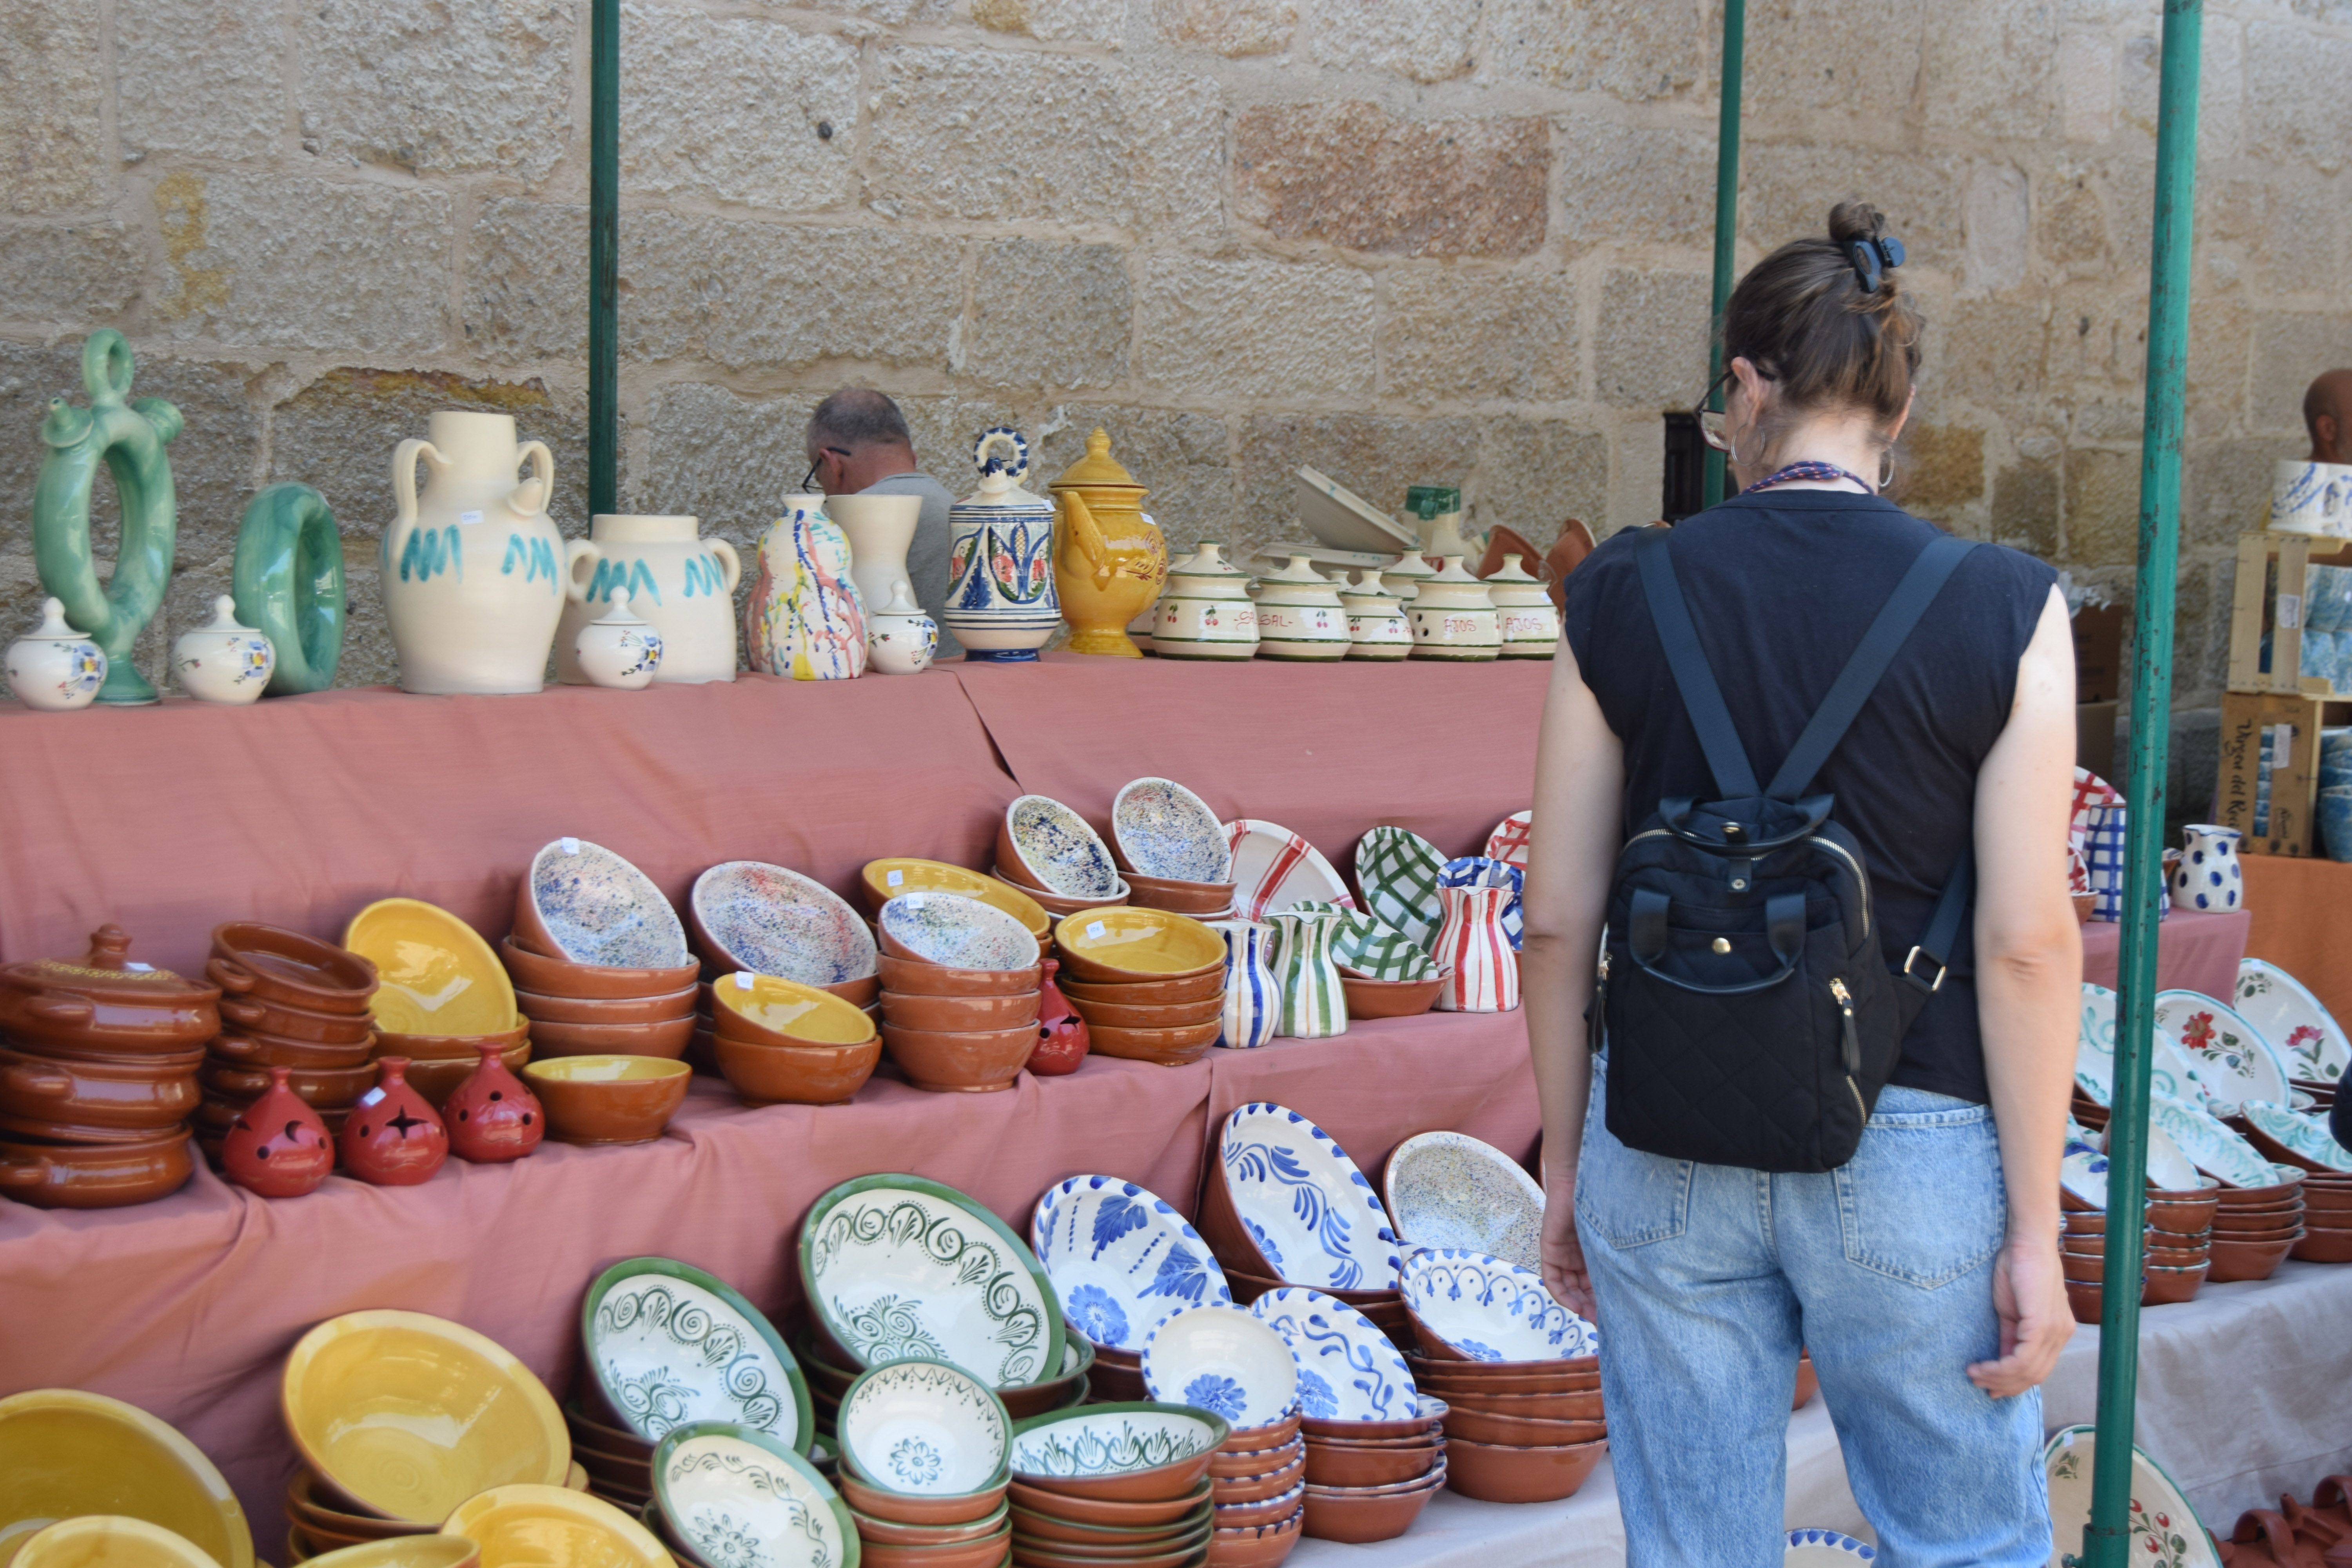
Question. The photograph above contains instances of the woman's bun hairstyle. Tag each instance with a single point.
(1826, 319)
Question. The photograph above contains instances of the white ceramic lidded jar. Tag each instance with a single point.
(1376, 624)
(54, 667)
(222, 661)
(1299, 616)
(1405, 576)
(681, 585)
(1002, 603)
(618, 649)
(899, 637)
(1453, 618)
(474, 574)
(1529, 621)
(1205, 611)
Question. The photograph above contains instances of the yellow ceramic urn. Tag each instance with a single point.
(1110, 561)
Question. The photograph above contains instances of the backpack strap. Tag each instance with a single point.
(1897, 619)
(1702, 697)
(1943, 926)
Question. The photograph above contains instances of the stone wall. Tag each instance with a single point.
(1398, 239)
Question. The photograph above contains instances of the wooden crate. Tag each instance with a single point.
(2252, 607)
(2288, 723)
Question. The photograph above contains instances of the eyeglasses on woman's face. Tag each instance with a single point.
(1712, 428)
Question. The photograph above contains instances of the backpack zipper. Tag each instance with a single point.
(1829, 844)
(1852, 1045)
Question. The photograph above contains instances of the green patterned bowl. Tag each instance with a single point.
(1133, 1452)
(924, 1427)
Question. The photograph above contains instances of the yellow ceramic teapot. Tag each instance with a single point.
(1110, 561)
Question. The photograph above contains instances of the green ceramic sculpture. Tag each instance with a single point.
(289, 585)
(130, 439)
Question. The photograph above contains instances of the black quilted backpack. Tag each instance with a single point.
(1751, 1018)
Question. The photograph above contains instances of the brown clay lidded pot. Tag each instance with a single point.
(491, 1116)
(1061, 1033)
(105, 1004)
(394, 1136)
(94, 1176)
(277, 1147)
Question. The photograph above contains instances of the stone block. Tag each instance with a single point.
(1255, 328)
(1860, 59)
(888, 12)
(1631, 49)
(1535, 474)
(1988, 352)
(78, 274)
(2304, 241)
(1427, 41)
(2291, 66)
(2086, 84)
(526, 283)
(1235, 28)
(1634, 185)
(2220, 347)
(2225, 490)
(1991, 70)
(1184, 457)
(2025, 508)
(204, 79)
(1455, 334)
(1637, 484)
(1055, 21)
(1049, 315)
(1998, 226)
(1940, 469)
(297, 263)
(1376, 455)
(2070, 222)
(52, 120)
(1650, 345)
(2102, 507)
(1788, 188)
(2290, 348)
(1353, 174)
(736, 109)
(1013, 138)
(447, 87)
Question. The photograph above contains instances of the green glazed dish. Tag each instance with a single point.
(671, 1346)
(741, 1497)
(1106, 1448)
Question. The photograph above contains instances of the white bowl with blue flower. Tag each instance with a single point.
(1469, 1306)
(1121, 1259)
(1222, 1359)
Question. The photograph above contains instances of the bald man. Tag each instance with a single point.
(858, 444)
(2327, 414)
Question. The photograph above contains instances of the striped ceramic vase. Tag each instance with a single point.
(1486, 977)
(1253, 995)
(1313, 1005)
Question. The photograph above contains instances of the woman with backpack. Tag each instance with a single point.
(1810, 762)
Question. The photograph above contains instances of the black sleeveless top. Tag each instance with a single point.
(1782, 585)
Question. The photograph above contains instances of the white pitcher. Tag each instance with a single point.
(879, 530)
(2209, 878)
(474, 574)
(681, 585)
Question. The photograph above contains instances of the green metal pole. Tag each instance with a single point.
(2107, 1540)
(1727, 214)
(604, 257)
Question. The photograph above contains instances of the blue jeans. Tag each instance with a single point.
(1709, 1279)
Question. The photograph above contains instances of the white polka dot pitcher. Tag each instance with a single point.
(2209, 878)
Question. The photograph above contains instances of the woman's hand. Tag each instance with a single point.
(2029, 1292)
(1564, 1273)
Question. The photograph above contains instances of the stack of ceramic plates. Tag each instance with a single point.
(1174, 849)
(65, 1454)
(292, 1001)
(584, 907)
(1229, 1361)
(960, 992)
(923, 1448)
(2178, 1251)
(443, 999)
(1150, 984)
(1519, 1373)
(1257, 1483)
(2303, 1141)
(1115, 1486)
(724, 1496)
(1121, 1260)
(829, 1380)
(1053, 855)
(778, 1041)
(2255, 1227)
(399, 1417)
(2327, 1219)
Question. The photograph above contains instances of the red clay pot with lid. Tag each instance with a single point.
(491, 1116)
(394, 1136)
(277, 1147)
(105, 1004)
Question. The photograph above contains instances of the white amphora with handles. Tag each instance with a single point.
(474, 574)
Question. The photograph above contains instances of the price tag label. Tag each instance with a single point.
(2289, 611)
(1094, 928)
(895, 878)
(743, 980)
(138, 968)
(371, 1096)
(469, 519)
(570, 846)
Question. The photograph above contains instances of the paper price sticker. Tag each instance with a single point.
(743, 980)
(570, 846)
(2289, 611)
(370, 1097)
(1094, 928)
(895, 878)
(470, 518)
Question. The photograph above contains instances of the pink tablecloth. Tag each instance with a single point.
(2193, 953)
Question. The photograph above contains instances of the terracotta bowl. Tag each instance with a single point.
(308, 1506)
(2087, 1301)
(437, 1078)
(986, 1552)
(1265, 1510)
(667, 1040)
(291, 1023)
(605, 1010)
(903, 1508)
(1544, 1406)
(2174, 1239)
(1356, 1518)
(95, 1175)
(1257, 1465)
(887, 1533)
(1036, 1398)
(2177, 1257)
(973, 1063)
(779, 1011)
(2082, 1269)
(561, 977)
(2241, 1221)
(150, 1095)
(1496, 1474)
(1274, 1483)
(876, 887)
(1199, 900)
(1146, 993)
(2259, 1197)
(316, 1086)
(1521, 1431)
(2250, 1261)
(608, 1100)
(1330, 1467)
(1271, 1435)
(2162, 1287)
(1159, 1513)
(2285, 1230)
(1150, 1015)
(1111, 1542)
(1257, 1546)
(449, 1047)
(272, 964)
(1058, 908)
(2328, 1200)
(960, 1013)
(259, 1051)
(1167, 1046)
(1110, 946)
(1370, 999)
(796, 1075)
(2324, 1244)
(913, 977)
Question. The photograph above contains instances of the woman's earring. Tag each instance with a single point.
(1886, 467)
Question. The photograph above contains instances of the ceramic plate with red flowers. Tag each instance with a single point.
(2231, 1058)
(2165, 1532)
(2292, 1021)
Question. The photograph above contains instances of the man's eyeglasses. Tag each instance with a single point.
(818, 461)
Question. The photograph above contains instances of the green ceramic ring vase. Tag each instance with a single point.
(289, 585)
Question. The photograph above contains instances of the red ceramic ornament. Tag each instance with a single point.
(277, 1147)
(1061, 1033)
(492, 1117)
(394, 1137)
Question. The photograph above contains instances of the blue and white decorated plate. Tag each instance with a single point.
(1225, 1360)
(1826, 1549)
(1491, 1309)
(1121, 1259)
(1347, 1369)
(1306, 1208)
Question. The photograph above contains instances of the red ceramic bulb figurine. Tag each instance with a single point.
(491, 1116)
(277, 1147)
(394, 1136)
(1061, 1033)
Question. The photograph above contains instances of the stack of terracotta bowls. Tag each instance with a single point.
(2255, 1227)
(1520, 1375)
(749, 916)
(1150, 984)
(618, 1463)
(1221, 1357)
(2326, 1218)
(1116, 1485)
(882, 880)
(1258, 1484)
(1369, 1480)
(923, 1446)
(441, 995)
(585, 907)
(98, 1075)
(1172, 848)
(960, 992)
(779, 1042)
(1055, 857)
(291, 1001)
(2178, 1248)
(821, 1361)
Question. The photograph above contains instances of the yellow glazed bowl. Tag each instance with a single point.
(110, 1541)
(797, 1013)
(439, 976)
(406, 1551)
(549, 1527)
(1129, 944)
(65, 1453)
(409, 1414)
(939, 877)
